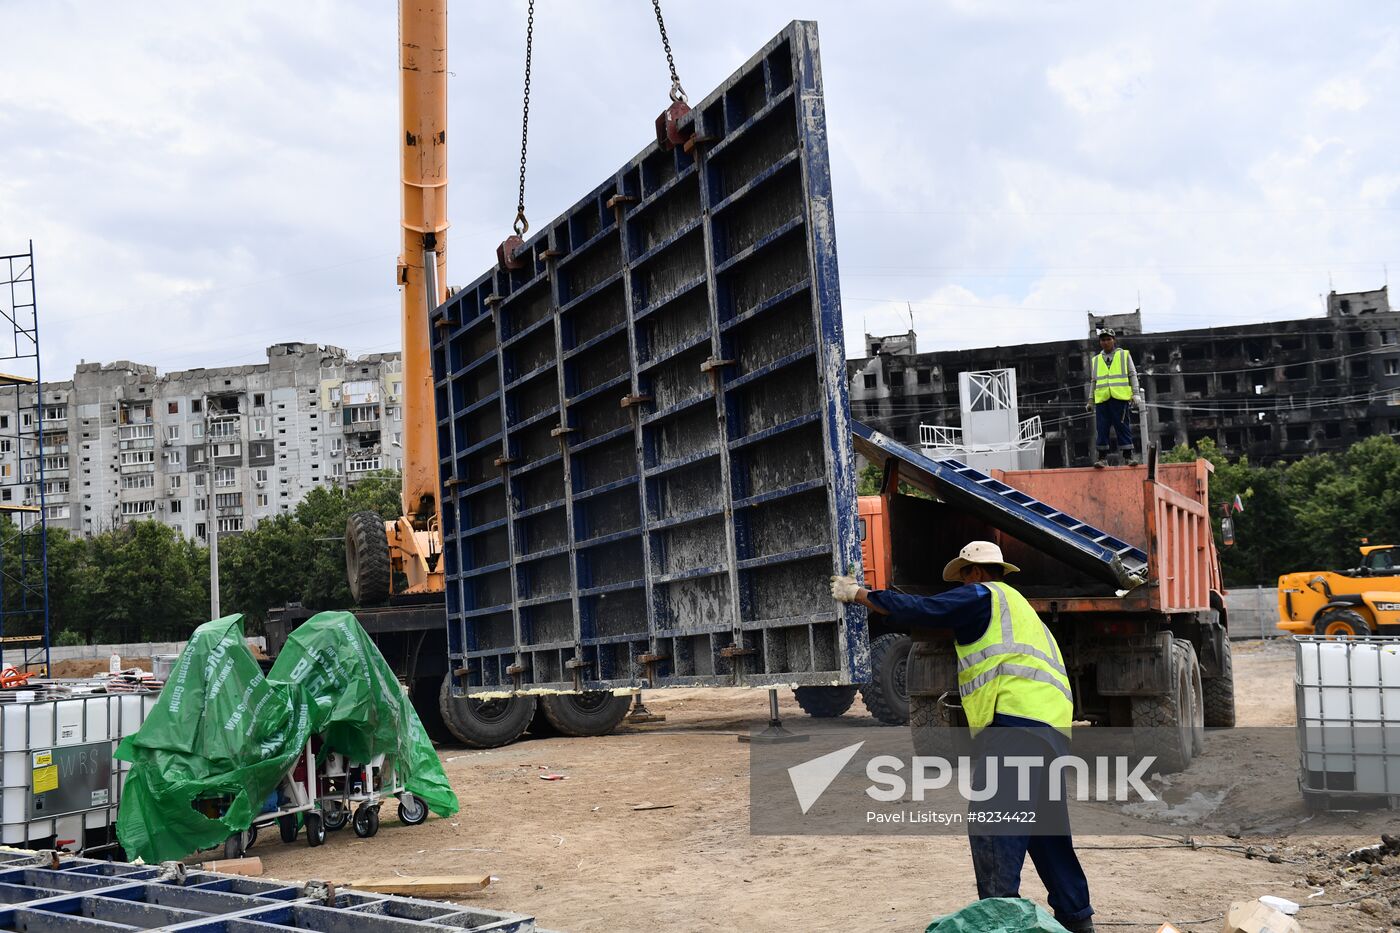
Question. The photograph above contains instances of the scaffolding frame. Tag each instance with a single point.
(24, 553)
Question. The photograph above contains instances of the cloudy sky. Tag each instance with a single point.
(202, 180)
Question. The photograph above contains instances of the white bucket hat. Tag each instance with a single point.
(976, 552)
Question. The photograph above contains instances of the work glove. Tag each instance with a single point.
(1137, 402)
(1088, 406)
(844, 589)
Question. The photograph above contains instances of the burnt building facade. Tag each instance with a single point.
(1272, 391)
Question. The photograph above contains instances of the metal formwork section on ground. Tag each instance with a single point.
(81, 894)
(643, 431)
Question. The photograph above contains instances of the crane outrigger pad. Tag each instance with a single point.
(1008, 509)
(643, 429)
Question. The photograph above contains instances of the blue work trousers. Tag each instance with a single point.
(1114, 415)
(999, 849)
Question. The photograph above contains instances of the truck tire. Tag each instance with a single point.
(1166, 720)
(1218, 694)
(596, 712)
(933, 737)
(825, 702)
(887, 695)
(484, 723)
(1341, 623)
(367, 558)
(1198, 712)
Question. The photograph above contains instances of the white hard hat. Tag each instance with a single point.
(976, 552)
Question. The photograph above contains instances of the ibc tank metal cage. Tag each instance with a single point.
(644, 434)
(1348, 701)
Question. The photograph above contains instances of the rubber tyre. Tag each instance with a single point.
(933, 737)
(887, 695)
(236, 845)
(1198, 713)
(335, 819)
(367, 558)
(412, 810)
(585, 714)
(1167, 720)
(1218, 694)
(825, 702)
(287, 828)
(1342, 623)
(366, 821)
(315, 829)
(485, 725)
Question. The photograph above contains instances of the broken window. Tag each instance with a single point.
(1163, 384)
(870, 380)
(1392, 366)
(1327, 371)
(1197, 385)
(1325, 341)
(925, 377)
(1332, 429)
(1296, 371)
(1296, 432)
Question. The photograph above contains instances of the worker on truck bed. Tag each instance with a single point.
(1016, 696)
(1113, 393)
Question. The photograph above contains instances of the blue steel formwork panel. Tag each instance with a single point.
(83, 894)
(645, 458)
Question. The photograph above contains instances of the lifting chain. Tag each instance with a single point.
(677, 92)
(522, 225)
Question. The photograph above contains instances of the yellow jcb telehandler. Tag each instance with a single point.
(1347, 604)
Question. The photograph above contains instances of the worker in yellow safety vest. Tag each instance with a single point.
(1113, 393)
(1016, 695)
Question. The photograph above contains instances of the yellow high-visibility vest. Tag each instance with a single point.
(1015, 668)
(1111, 377)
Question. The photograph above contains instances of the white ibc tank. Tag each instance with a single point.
(28, 726)
(1349, 682)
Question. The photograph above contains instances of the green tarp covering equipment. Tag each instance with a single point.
(222, 728)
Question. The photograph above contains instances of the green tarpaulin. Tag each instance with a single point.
(220, 727)
(997, 915)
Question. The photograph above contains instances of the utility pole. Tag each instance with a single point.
(211, 516)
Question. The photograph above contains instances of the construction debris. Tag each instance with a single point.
(1258, 917)
(251, 867)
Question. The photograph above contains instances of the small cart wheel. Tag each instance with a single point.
(287, 826)
(412, 810)
(336, 817)
(366, 821)
(315, 829)
(239, 843)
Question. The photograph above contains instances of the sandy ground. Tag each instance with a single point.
(577, 856)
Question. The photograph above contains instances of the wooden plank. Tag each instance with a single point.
(12, 380)
(19, 508)
(423, 885)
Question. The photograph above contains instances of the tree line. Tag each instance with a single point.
(144, 581)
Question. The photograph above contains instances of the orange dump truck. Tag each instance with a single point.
(1120, 563)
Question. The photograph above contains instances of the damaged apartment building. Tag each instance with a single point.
(200, 449)
(1272, 391)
